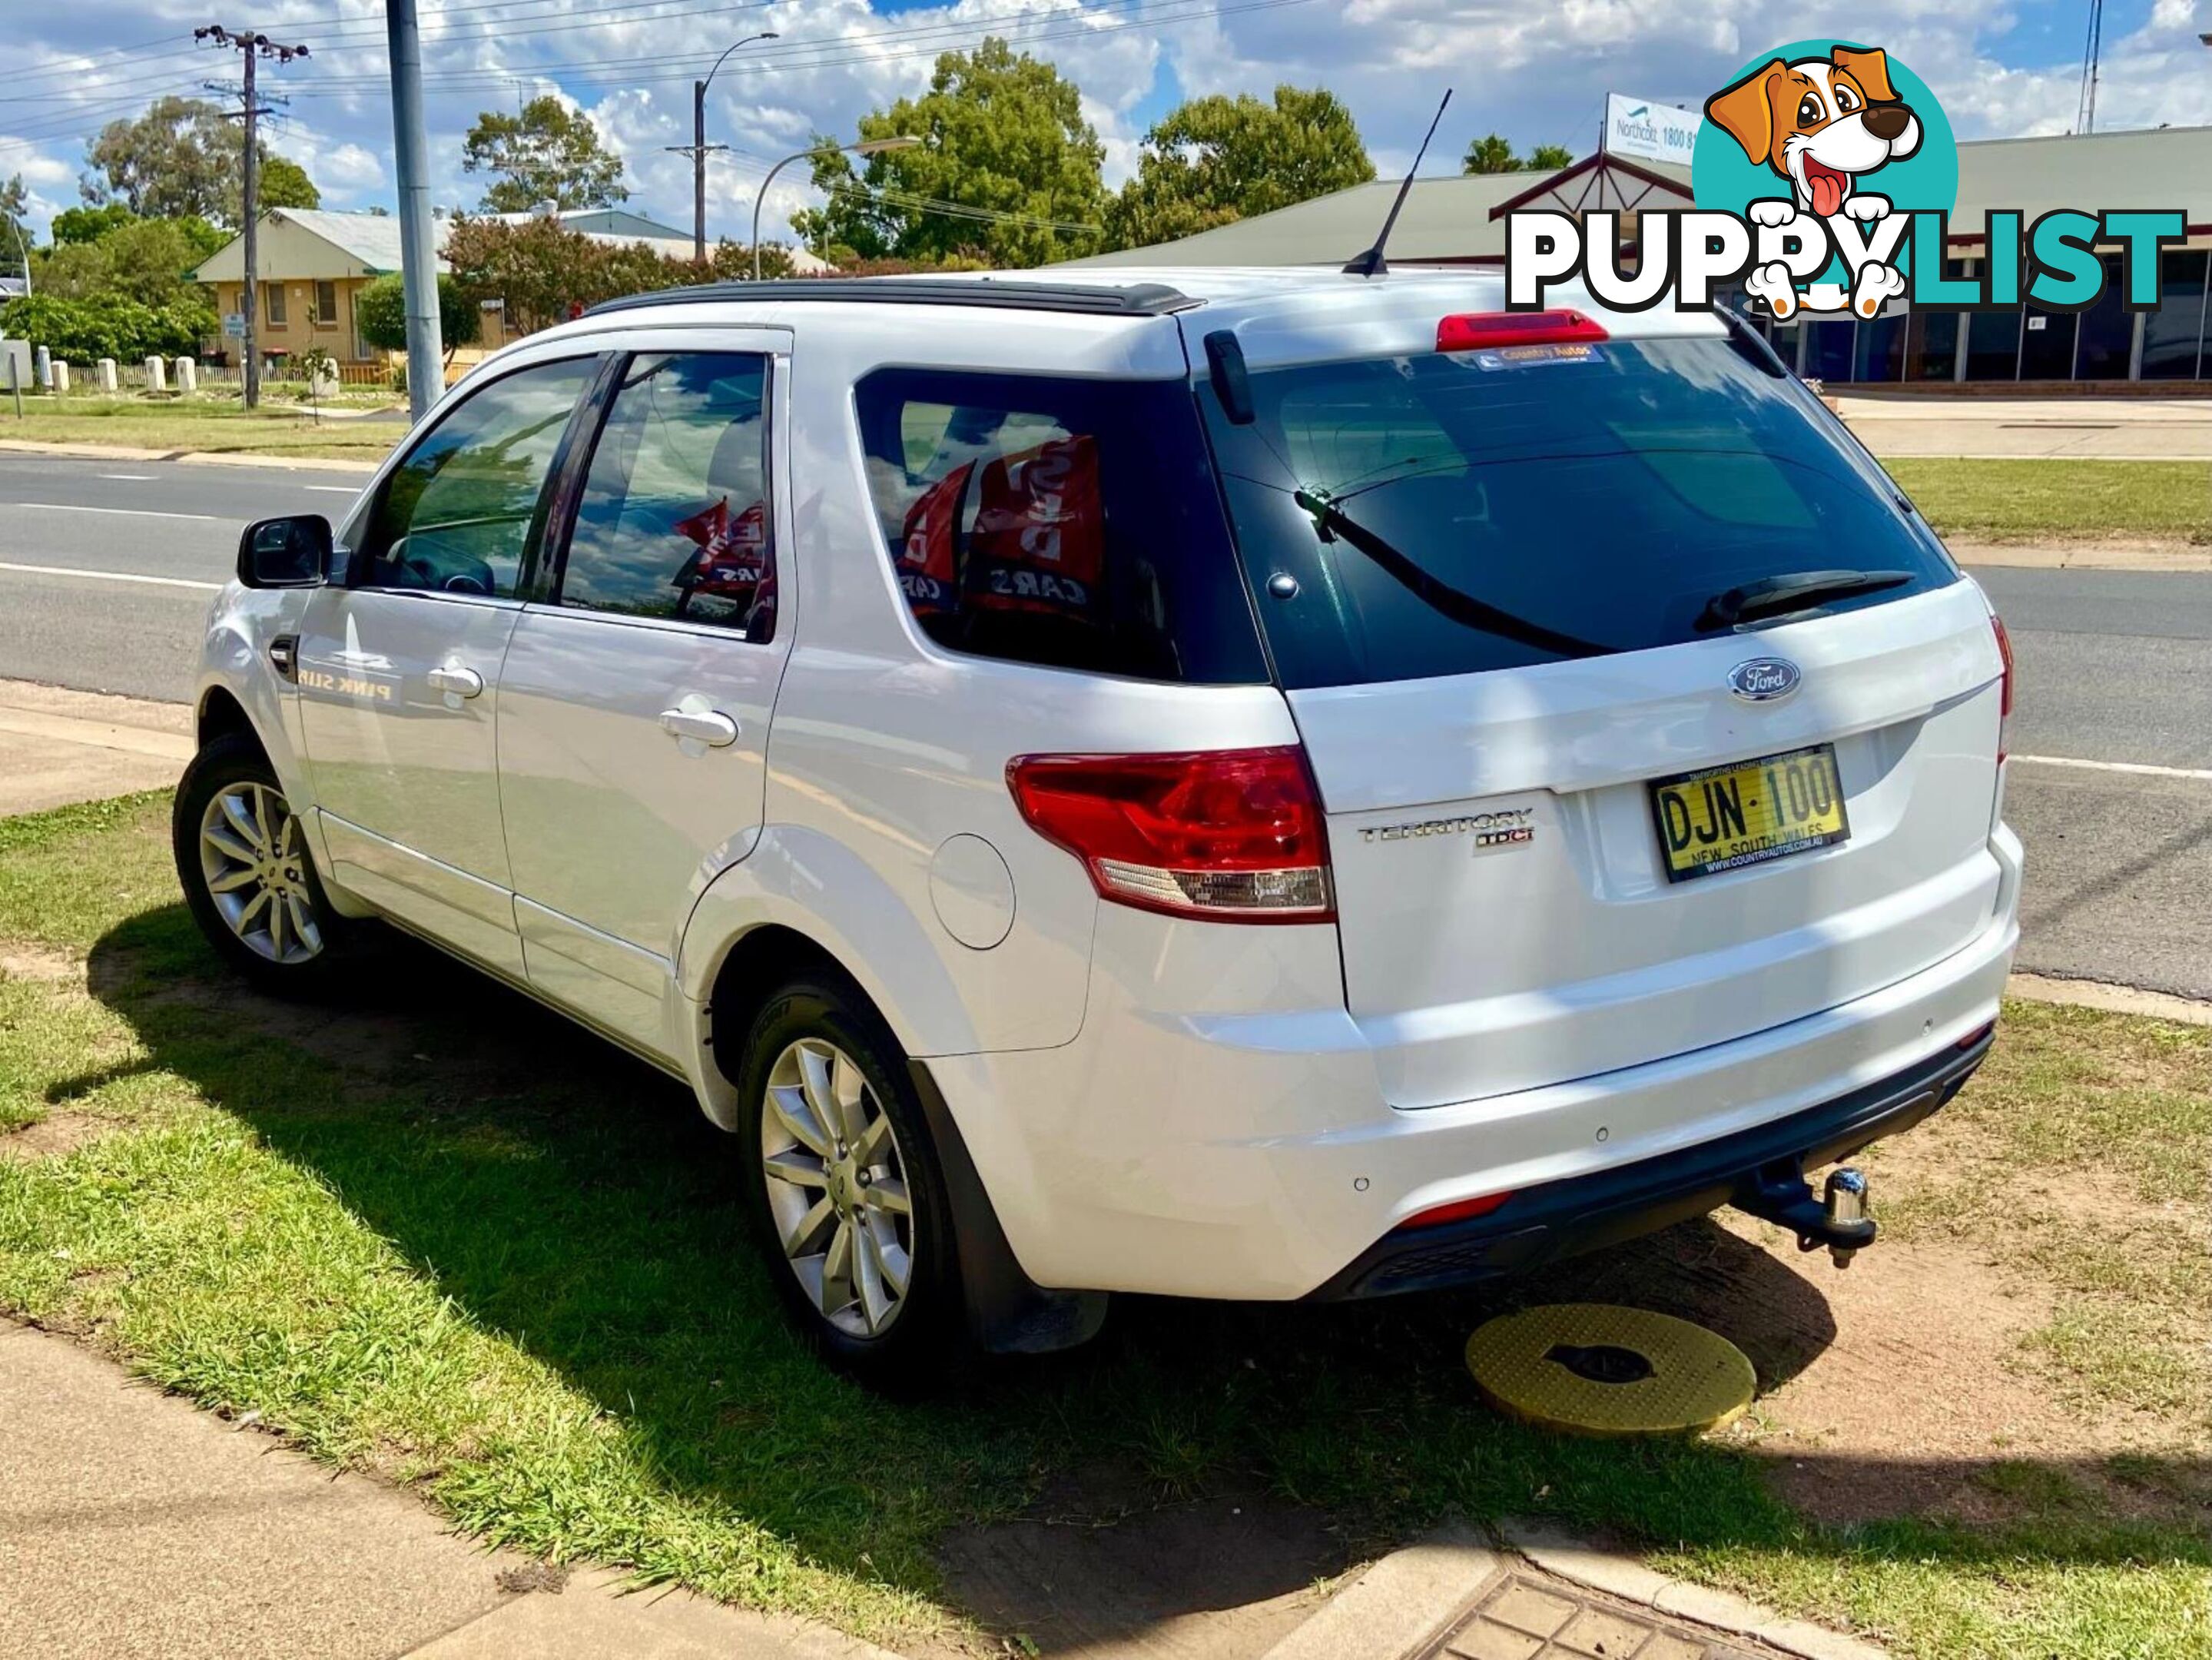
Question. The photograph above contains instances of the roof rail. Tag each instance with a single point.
(1132, 300)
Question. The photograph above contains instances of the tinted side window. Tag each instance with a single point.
(1070, 523)
(675, 519)
(456, 513)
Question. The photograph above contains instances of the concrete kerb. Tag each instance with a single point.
(189, 458)
(1399, 1604)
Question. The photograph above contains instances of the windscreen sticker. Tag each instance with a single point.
(1520, 357)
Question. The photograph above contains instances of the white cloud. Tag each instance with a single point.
(1535, 73)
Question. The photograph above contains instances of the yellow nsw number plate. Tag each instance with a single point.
(1749, 811)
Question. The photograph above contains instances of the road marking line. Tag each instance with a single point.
(332, 489)
(2201, 775)
(111, 576)
(135, 513)
(130, 478)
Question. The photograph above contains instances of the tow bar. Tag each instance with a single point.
(1779, 1193)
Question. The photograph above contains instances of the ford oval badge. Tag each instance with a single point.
(1763, 679)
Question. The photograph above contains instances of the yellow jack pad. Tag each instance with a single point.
(1593, 1368)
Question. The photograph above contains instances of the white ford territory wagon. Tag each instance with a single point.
(1260, 785)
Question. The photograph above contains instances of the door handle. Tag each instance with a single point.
(460, 682)
(709, 726)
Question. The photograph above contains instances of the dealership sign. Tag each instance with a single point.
(1655, 131)
(1824, 175)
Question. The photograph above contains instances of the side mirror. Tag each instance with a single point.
(293, 552)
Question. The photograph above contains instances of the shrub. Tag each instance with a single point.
(380, 310)
(82, 330)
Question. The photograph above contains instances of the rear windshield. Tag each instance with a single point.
(1445, 514)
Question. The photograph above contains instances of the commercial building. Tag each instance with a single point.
(1461, 221)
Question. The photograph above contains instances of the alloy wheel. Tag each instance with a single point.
(836, 1187)
(255, 865)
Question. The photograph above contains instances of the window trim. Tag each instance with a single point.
(358, 559)
(584, 446)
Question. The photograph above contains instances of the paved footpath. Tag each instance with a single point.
(2078, 429)
(133, 1523)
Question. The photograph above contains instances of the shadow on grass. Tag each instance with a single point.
(576, 1201)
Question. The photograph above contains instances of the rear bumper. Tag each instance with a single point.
(1255, 1154)
(1585, 1213)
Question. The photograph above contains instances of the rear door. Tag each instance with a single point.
(634, 703)
(1496, 586)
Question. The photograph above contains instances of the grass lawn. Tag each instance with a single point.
(2058, 501)
(440, 1234)
(208, 427)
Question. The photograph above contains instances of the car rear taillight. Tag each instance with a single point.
(2004, 690)
(1471, 329)
(1229, 835)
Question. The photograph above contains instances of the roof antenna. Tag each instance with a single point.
(1371, 263)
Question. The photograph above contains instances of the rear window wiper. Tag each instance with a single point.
(1332, 522)
(1773, 595)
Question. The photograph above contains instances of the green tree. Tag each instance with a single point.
(1490, 154)
(1218, 159)
(1550, 158)
(379, 311)
(183, 157)
(1004, 134)
(546, 154)
(284, 184)
(90, 224)
(73, 271)
(148, 261)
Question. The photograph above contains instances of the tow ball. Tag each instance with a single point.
(1780, 1195)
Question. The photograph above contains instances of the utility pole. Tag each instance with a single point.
(418, 245)
(252, 47)
(697, 149)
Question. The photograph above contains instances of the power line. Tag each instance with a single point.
(853, 50)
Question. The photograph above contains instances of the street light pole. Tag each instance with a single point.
(26, 249)
(697, 148)
(866, 147)
(418, 244)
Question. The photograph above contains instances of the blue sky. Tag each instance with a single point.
(1536, 72)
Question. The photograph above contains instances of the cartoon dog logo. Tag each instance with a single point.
(1823, 124)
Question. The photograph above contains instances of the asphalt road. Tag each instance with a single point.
(2115, 669)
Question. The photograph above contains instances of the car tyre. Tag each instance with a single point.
(248, 877)
(843, 1189)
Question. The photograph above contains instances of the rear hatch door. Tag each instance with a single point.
(1586, 810)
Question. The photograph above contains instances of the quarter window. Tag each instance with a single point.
(1070, 523)
(457, 514)
(675, 519)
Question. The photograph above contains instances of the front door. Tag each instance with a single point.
(635, 701)
(399, 668)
